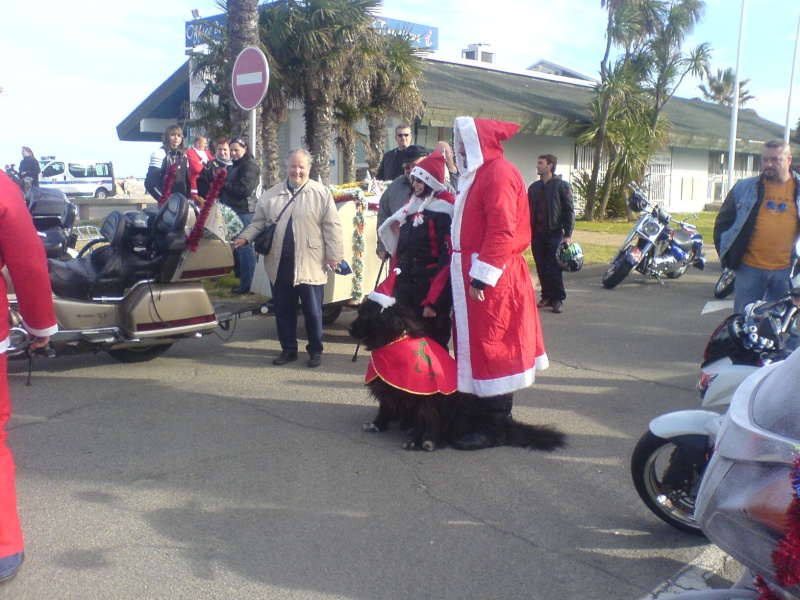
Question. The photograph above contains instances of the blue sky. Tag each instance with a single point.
(73, 71)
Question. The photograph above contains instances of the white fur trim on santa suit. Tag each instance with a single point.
(464, 132)
(484, 271)
(389, 231)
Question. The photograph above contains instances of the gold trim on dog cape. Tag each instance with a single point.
(415, 365)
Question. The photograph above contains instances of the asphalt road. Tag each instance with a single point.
(209, 473)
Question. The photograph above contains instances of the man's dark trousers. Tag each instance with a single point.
(544, 247)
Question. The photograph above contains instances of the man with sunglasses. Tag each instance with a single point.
(391, 166)
(757, 226)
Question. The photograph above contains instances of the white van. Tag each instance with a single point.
(78, 178)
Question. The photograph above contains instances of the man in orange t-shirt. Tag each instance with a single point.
(757, 226)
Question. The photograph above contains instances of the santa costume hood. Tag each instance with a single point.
(499, 343)
(432, 171)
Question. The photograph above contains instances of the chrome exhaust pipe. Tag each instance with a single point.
(18, 340)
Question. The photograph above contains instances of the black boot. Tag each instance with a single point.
(493, 413)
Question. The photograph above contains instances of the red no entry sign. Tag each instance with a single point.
(250, 78)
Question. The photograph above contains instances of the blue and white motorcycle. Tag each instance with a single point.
(653, 247)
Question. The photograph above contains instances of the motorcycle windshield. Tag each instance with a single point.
(741, 438)
(777, 404)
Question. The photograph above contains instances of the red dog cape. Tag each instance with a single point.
(415, 365)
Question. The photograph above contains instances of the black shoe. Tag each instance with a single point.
(476, 440)
(544, 302)
(558, 307)
(284, 357)
(237, 291)
(314, 361)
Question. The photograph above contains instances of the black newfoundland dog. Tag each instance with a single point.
(435, 420)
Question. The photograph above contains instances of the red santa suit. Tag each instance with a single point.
(499, 342)
(23, 253)
(197, 161)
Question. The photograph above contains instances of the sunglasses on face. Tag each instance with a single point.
(772, 206)
(403, 135)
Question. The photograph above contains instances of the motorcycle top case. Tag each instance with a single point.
(746, 491)
(212, 258)
(50, 209)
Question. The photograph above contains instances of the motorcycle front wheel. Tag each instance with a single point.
(617, 271)
(724, 285)
(667, 477)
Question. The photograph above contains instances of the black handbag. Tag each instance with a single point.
(262, 243)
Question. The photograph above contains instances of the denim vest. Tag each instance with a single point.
(745, 195)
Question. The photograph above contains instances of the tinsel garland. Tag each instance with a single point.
(196, 234)
(786, 556)
(169, 179)
(353, 192)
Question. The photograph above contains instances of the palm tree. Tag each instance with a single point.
(314, 40)
(628, 22)
(347, 116)
(661, 59)
(210, 109)
(394, 91)
(629, 139)
(720, 88)
(242, 32)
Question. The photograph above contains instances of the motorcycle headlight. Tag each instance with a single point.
(650, 228)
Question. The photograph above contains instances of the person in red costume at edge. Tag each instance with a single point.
(499, 343)
(22, 253)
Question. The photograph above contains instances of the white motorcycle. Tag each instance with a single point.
(748, 504)
(669, 460)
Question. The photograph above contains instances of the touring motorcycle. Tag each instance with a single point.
(136, 290)
(670, 459)
(749, 503)
(653, 247)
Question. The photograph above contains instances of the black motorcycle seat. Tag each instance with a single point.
(72, 278)
(105, 272)
(111, 269)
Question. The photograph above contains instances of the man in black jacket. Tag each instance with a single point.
(552, 222)
(391, 166)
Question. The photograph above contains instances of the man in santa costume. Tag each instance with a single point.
(23, 253)
(499, 342)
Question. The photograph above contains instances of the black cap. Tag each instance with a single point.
(413, 152)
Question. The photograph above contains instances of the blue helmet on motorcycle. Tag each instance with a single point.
(570, 258)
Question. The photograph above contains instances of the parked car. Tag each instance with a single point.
(78, 178)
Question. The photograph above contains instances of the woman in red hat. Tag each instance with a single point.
(418, 237)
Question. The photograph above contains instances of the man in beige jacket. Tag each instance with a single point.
(307, 247)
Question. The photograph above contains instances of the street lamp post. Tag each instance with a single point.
(735, 103)
(791, 83)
